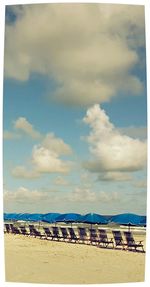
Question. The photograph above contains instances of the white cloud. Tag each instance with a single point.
(23, 172)
(7, 135)
(112, 151)
(59, 180)
(45, 157)
(85, 195)
(57, 145)
(108, 197)
(114, 176)
(82, 195)
(140, 184)
(47, 161)
(23, 125)
(24, 195)
(88, 50)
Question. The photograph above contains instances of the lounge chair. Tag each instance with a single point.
(56, 234)
(65, 235)
(83, 237)
(34, 232)
(118, 239)
(48, 233)
(73, 237)
(131, 243)
(7, 228)
(14, 229)
(23, 230)
(93, 236)
(103, 239)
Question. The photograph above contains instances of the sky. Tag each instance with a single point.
(75, 109)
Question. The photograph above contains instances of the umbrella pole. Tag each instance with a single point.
(129, 227)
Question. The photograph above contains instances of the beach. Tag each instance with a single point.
(34, 260)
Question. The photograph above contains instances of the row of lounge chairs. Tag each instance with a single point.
(95, 237)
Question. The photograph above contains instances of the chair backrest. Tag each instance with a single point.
(47, 231)
(14, 229)
(117, 236)
(102, 234)
(64, 232)
(93, 232)
(72, 233)
(55, 231)
(129, 237)
(23, 229)
(33, 230)
(7, 227)
(82, 232)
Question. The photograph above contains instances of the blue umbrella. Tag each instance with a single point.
(11, 216)
(92, 218)
(50, 217)
(32, 217)
(143, 220)
(126, 219)
(68, 217)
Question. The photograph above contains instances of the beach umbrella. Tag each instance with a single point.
(50, 217)
(92, 218)
(68, 217)
(32, 217)
(11, 216)
(126, 219)
(143, 220)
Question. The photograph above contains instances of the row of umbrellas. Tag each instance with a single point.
(91, 218)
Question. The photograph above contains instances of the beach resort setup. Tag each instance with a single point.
(81, 238)
(75, 143)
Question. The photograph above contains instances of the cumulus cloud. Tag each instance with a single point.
(48, 161)
(140, 184)
(23, 172)
(59, 180)
(57, 145)
(88, 50)
(112, 151)
(82, 195)
(23, 125)
(24, 195)
(86, 195)
(7, 135)
(45, 157)
(114, 176)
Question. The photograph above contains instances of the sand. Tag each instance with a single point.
(34, 260)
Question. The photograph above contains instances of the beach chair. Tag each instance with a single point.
(48, 233)
(56, 234)
(65, 235)
(118, 239)
(93, 236)
(23, 230)
(73, 237)
(34, 232)
(83, 237)
(131, 243)
(104, 241)
(7, 228)
(14, 229)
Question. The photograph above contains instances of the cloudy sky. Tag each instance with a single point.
(75, 109)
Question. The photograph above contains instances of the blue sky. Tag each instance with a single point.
(75, 109)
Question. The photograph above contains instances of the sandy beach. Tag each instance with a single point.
(32, 260)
